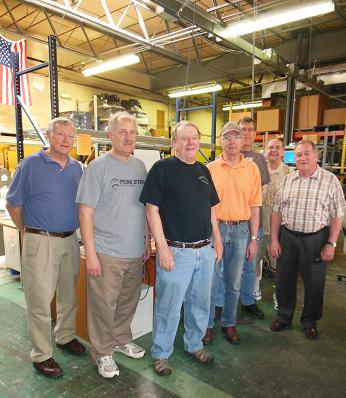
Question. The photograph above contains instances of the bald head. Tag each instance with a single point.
(274, 152)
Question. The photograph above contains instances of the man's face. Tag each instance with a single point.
(231, 142)
(306, 158)
(274, 150)
(61, 139)
(186, 143)
(249, 133)
(123, 137)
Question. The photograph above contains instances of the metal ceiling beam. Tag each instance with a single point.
(101, 26)
(195, 16)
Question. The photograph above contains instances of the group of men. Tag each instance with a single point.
(203, 219)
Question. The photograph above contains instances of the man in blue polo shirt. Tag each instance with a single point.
(41, 202)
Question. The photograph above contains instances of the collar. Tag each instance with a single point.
(47, 159)
(222, 162)
(316, 174)
(277, 170)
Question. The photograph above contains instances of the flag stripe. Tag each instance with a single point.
(6, 92)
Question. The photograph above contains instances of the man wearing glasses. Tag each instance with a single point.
(238, 184)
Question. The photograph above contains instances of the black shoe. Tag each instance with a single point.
(253, 310)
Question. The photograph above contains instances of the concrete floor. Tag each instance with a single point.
(264, 364)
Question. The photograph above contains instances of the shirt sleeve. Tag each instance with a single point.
(152, 191)
(265, 175)
(18, 188)
(337, 207)
(214, 197)
(89, 188)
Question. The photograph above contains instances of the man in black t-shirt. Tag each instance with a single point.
(179, 196)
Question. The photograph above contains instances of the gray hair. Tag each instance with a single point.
(59, 120)
(115, 117)
(183, 123)
(312, 144)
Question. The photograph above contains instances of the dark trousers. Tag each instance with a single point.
(301, 254)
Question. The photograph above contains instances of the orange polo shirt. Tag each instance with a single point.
(238, 187)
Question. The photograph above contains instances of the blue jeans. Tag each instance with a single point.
(189, 283)
(248, 278)
(235, 239)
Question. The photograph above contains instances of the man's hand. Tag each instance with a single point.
(275, 249)
(218, 250)
(251, 250)
(166, 259)
(327, 253)
(147, 249)
(93, 266)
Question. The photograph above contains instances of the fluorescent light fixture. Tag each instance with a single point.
(195, 90)
(115, 63)
(279, 17)
(256, 104)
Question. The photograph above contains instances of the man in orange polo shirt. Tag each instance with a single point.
(238, 184)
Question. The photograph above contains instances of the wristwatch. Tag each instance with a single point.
(333, 244)
(254, 237)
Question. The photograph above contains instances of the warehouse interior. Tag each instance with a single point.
(291, 77)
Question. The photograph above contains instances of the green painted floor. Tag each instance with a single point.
(264, 364)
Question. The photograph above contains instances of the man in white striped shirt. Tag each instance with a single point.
(305, 226)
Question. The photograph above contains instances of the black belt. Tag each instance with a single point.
(232, 222)
(298, 233)
(46, 233)
(193, 245)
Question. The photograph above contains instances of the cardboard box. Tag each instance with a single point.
(236, 116)
(270, 120)
(309, 111)
(334, 116)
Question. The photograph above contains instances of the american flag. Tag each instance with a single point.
(6, 75)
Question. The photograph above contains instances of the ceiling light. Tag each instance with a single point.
(195, 90)
(115, 63)
(279, 17)
(242, 105)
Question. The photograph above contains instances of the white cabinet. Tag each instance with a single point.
(12, 248)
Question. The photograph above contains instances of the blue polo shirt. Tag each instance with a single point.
(46, 192)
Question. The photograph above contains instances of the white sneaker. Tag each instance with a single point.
(107, 367)
(258, 295)
(275, 302)
(131, 350)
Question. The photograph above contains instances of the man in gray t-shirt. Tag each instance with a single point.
(249, 275)
(116, 239)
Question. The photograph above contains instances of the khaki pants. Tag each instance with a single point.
(112, 302)
(49, 264)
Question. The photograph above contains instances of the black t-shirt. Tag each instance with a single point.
(184, 194)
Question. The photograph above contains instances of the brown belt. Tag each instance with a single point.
(232, 222)
(46, 233)
(183, 245)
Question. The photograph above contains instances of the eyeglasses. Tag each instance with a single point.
(231, 137)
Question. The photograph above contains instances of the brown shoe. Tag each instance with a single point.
(73, 347)
(162, 367)
(202, 356)
(208, 337)
(231, 334)
(49, 368)
(311, 333)
(277, 325)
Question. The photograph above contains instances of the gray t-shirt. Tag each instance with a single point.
(260, 160)
(112, 187)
